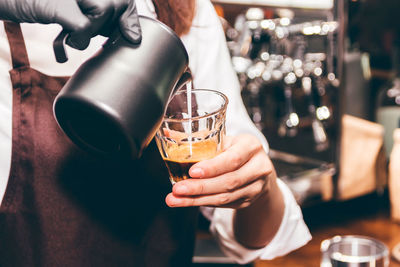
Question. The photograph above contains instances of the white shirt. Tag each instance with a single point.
(210, 64)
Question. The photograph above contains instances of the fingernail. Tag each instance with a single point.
(196, 172)
(175, 202)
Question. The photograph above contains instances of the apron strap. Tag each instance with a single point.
(19, 54)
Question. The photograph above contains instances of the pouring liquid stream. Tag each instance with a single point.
(189, 108)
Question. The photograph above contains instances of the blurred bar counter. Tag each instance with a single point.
(368, 216)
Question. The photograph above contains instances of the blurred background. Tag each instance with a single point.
(321, 80)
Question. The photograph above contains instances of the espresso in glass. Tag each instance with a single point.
(181, 159)
(192, 130)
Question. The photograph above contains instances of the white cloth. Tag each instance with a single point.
(292, 233)
(210, 64)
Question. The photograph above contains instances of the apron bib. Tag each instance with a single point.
(63, 207)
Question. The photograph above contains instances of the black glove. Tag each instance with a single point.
(82, 18)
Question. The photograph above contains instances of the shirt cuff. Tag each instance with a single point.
(292, 233)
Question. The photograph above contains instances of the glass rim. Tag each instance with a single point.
(223, 107)
(381, 249)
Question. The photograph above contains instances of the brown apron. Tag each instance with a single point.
(63, 207)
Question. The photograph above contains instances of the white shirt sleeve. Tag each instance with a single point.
(211, 66)
(292, 234)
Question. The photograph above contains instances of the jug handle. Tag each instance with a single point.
(324, 248)
(59, 46)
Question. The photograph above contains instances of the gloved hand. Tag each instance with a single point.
(83, 19)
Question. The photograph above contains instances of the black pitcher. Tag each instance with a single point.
(114, 103)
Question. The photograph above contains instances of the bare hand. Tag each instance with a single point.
(236, 178)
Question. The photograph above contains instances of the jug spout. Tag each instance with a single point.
(184, 80)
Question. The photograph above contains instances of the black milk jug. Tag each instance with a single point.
(114, 103)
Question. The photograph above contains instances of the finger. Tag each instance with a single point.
(68, 15)
(129, 24)
(100, 19)
(240, 151)
(79, 40)
(237, 199)
(258, 167)
(71, 18)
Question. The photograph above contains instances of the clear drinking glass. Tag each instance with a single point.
(187, 136)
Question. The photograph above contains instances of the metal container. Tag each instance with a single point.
(114, 103)
(354, 251)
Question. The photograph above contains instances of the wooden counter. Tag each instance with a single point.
(367, 216)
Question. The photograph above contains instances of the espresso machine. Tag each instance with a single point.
(288, 63)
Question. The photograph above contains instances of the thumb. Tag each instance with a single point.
(79, 39)
(129, 24)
